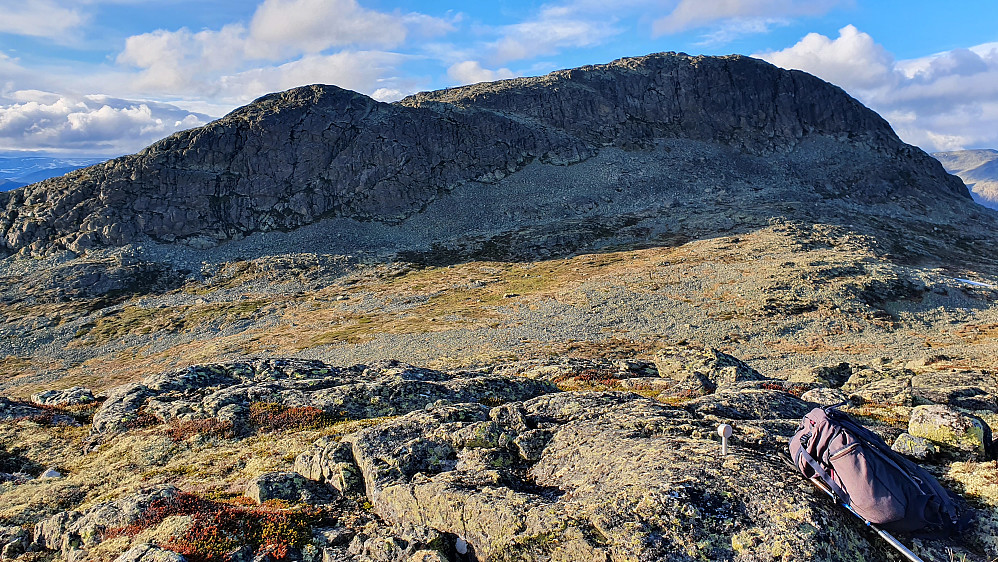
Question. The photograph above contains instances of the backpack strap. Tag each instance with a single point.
(823, 474)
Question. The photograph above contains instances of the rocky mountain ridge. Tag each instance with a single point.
(293, 158)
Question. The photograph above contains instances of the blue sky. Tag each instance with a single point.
(107, 77)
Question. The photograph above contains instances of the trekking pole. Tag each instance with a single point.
(884, 534)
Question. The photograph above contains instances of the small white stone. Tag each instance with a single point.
(461, 546)
(50, 473)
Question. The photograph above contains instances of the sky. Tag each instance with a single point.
(109, 77)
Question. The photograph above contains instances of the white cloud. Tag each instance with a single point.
(729, 30)
(389, 94)
(691, 14)
(290, 27)
(556, 28)
(39, 18)
(471, 72)
(946, 101)
(94, 124)
(853, 58)
(285, 45)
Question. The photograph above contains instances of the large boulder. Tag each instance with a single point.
(708, 368)
(950, 429)
(970, 390)
(68, 397)
(330, 461)
(72, 532)
(287, 486)
(14, 541)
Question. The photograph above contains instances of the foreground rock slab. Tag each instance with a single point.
(617, 477)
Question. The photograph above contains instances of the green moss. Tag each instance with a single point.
(973, 438)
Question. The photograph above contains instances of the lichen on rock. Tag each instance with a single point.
(949, 428)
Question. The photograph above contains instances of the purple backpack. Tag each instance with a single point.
(879, 484)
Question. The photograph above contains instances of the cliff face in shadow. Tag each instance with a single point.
(293, 158)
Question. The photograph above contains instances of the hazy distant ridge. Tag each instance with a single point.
(17, 170)
(978, 169)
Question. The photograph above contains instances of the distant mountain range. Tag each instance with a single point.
(978, 169)
(18, 171)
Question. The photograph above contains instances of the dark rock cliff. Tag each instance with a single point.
(293, 158)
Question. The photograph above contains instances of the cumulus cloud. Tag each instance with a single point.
(361, 71)
(691, 14)
(471, 72)
(852, 58)
(946, 101)
(285, 44)
(40, 18)
(289, 27)
(554, 29)
(94, 124)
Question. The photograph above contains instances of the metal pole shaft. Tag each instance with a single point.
(884, 534)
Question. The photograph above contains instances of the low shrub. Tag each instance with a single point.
(219, 528)
(270, 416)
(794, 390)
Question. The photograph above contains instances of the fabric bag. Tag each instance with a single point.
(879, 484)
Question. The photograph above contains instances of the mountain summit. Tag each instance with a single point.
(619, 143)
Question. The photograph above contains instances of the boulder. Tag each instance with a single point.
(915, 447)
(11, 410)
(14, 541)
(375, 543)
(832, 376)
(950, 429)
(330, 461)
(710, 366)
(287, 486)
(69, 397)
(970, 390)
(886, 391)
(824, 396)
(750, 405)
(628, 477)
(69, 531)
(50, 473)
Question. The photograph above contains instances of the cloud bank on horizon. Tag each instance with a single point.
(107, 77)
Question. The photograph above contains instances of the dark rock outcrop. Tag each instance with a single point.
(226, 392)
(292, 158)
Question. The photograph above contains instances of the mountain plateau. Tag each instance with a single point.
(495, 322)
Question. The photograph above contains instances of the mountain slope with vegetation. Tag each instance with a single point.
(497, 322)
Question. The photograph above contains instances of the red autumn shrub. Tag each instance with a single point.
(269, 416)
(218, 528)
